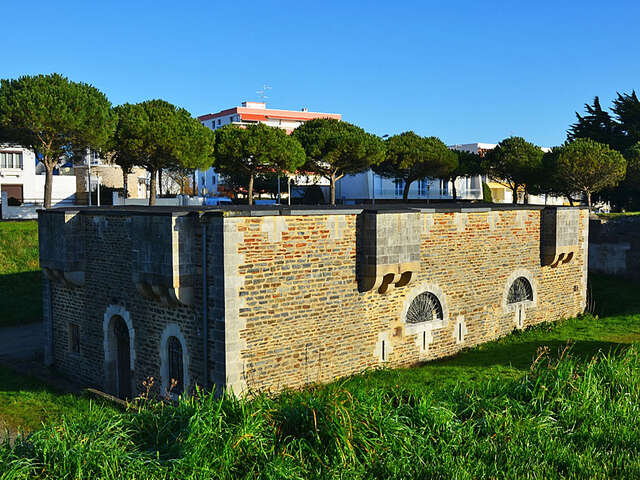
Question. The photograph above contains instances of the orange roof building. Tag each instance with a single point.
(248, 113)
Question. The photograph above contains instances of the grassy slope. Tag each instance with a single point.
(25, 403)
(480, 414)
(20, 290)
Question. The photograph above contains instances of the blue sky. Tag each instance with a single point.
(461, 70)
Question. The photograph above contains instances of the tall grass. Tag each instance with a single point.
(566, 418)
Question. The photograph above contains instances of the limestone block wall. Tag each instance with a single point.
(298, 316)
(285, 298)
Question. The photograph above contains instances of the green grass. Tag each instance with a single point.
(25, 403)
(20, 284)
(615, 215)
(487, 413)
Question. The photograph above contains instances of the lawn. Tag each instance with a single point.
(20, 284)
(616, 215)
(25, 403)
(490, 412)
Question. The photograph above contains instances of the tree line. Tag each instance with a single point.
(58, 118)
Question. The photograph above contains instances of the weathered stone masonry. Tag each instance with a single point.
(297, 296)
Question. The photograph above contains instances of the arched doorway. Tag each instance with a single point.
(119, 352)
(122, 357)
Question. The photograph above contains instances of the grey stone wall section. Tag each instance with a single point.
(47, 320)
(216, 302)
(560, 234)
(614, 246)
(389, 248)
(110, 243)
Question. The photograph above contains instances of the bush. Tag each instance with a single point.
(486, 193)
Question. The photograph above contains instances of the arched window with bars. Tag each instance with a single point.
(424, 308)
(520, 291)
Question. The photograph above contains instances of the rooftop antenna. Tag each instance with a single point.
(263, 92)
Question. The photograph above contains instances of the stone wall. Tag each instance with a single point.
(112, 244)
(295, 297)
(614, 246)
(300, 316)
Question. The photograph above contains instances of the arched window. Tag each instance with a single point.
(424, 308)
(176, 367)
(520, 291)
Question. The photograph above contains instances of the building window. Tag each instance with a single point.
(219, 121)
(74, 338)
(520, 291)
(399, 186)
(176, 367)
(10, 160)
(444, 187)
(424, 308)
(423, 186)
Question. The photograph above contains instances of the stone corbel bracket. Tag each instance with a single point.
(163, 266)
(389, 249)
(165, 295)
(62, 247)
(69, 279)
(560, 235)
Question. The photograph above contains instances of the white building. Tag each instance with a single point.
(500, 193)
(22, 178)
(254, 112)
(368, 186)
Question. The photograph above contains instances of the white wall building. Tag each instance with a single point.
(499, 192)
(368, 186)
(22, 177)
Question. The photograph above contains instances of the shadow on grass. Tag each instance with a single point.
(20, 298)
(11, 381)
(614, 295)
(520, 355)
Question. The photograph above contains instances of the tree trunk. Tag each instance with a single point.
(454, 192)
(251, 189)
(589, 200)
(125, 183)
(514, 189)
(48, 183)
(570, 200)
(332, 188)
(194, 189)
(152, 187)
(405, 190)
(160, 181)
(526, 197)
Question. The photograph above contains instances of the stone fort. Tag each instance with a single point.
(262, 299)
